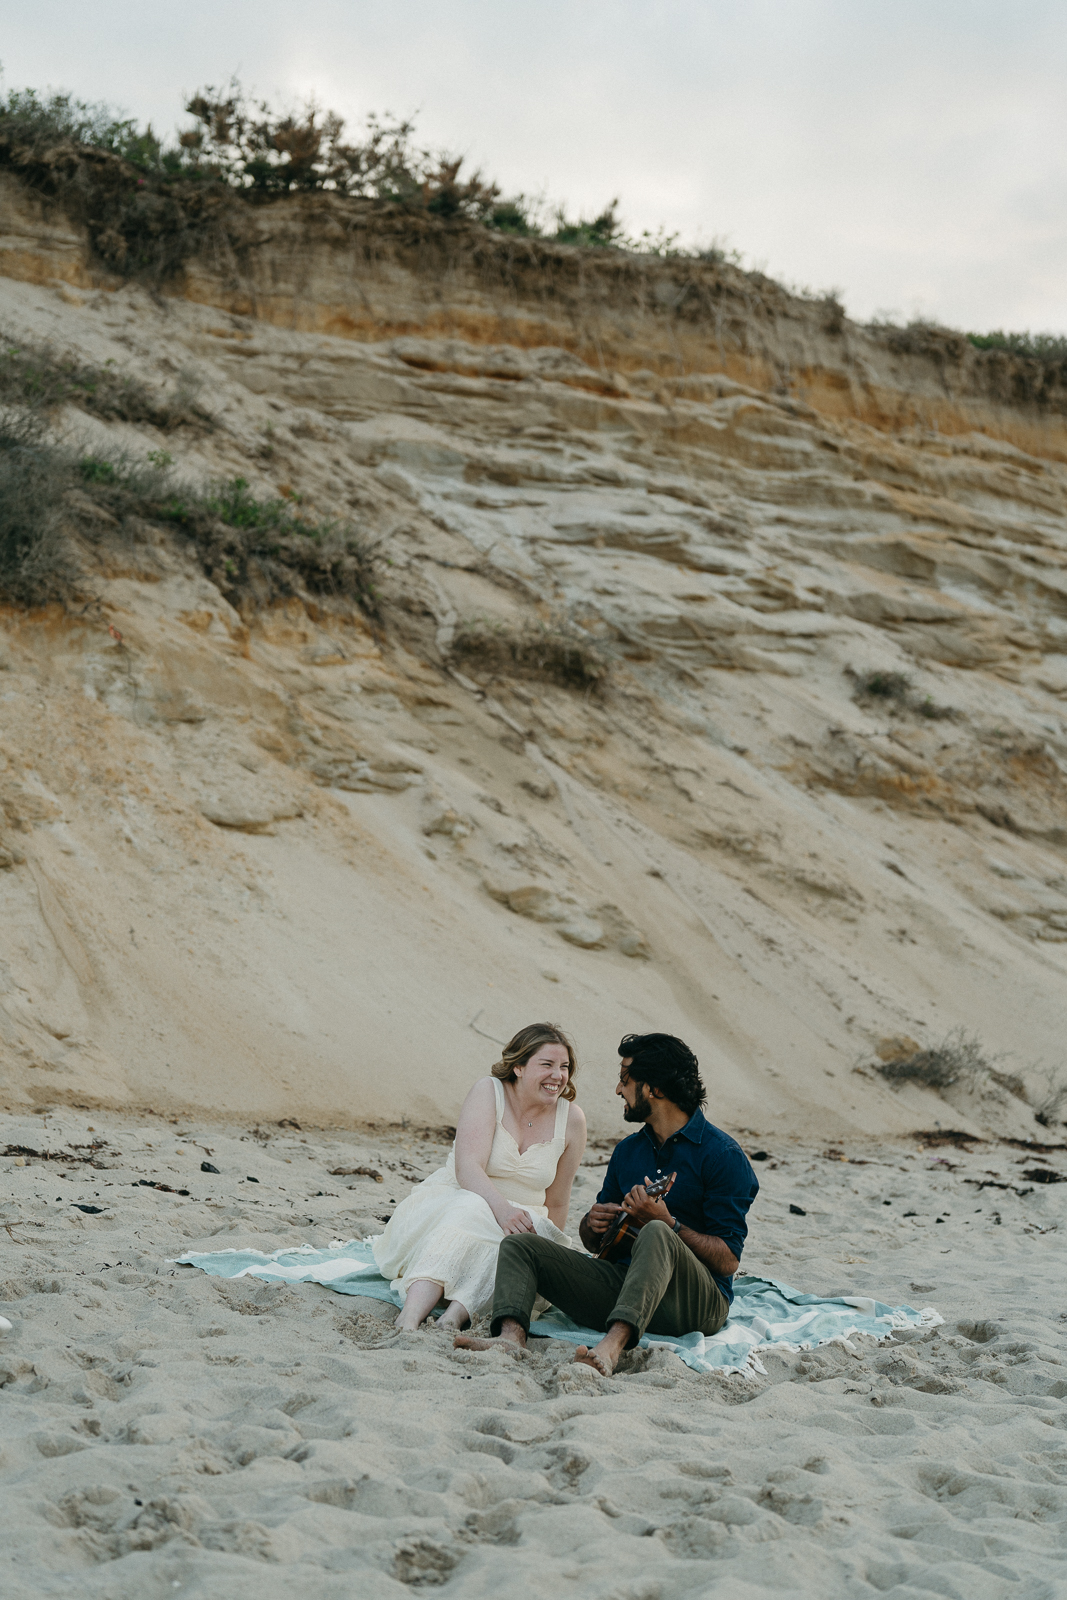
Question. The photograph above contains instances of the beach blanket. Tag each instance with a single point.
(765, 1315)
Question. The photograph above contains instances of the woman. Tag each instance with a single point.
(518, 1143)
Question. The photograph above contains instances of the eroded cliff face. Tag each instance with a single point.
(293, 864)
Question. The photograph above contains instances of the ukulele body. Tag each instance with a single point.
(621, 1233)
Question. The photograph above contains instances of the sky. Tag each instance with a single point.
(910, 155)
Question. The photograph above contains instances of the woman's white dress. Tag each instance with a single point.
(449, 1235)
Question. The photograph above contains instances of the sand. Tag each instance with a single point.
(167, 1433)
(286, 863)
(281, 862)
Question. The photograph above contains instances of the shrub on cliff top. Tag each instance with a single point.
(39, 122)
(149, 212)
(1050, 348)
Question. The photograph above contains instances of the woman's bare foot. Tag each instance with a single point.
(456, 1316)
(419, 1301)
(604, 1357)
(512, 1337)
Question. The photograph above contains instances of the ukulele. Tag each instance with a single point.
(624, 1227)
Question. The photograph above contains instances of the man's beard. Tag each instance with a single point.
(640, 1111)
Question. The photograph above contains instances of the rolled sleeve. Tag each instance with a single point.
(731, 1187)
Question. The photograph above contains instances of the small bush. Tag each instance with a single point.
(958, 1059)
(927, 707)
(1050, 348)
(555, 653)
(40, 122)
(894, 691)
(600, 232)
(253, 549)
(883, 686)
(1049, 1096)
(36, 558)
(38, 378)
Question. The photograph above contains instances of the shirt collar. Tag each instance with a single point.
(693, 1130)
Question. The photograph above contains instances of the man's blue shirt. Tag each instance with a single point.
(713, 1190)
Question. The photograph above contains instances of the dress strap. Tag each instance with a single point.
(562, 1110)
(498, 1090)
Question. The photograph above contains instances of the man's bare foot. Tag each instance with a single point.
(604, 1357)
(463, 1341)
(512, 1337)
(594, 1358)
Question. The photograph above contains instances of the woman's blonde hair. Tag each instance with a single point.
(518, 1051)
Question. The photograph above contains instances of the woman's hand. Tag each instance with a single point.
(513, 1219)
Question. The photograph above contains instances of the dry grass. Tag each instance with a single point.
(553, 653)
(895, 692)
(1049, 1096)
(38, 378)
(255, 550)
(57, 510)
(37, 561)
(958, 1059)
(959, 1062)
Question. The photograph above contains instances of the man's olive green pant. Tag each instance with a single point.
(665, 1289)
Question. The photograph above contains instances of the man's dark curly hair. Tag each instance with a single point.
(665, 1063)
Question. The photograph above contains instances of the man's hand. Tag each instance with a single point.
(594, 1224)
(642, 1209)
(598, 1217)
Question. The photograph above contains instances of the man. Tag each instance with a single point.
(677, 1276)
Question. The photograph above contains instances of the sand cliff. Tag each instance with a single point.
(290, 861)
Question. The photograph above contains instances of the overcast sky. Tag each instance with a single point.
(910, 153)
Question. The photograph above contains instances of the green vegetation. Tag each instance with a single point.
(602, 232)
(36, 560)
(254, 549)
(893, 690)
(948, 345)
(57, 509)
(39, 123)
(553, 652)
(57, 506)
(1050, 348)
(39, 379)
(883, 686)
(245, 146)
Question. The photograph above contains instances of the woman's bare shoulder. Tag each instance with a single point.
(575, 1120)
(482, 1092)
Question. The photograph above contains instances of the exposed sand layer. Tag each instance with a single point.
(165, 1432)
(286, 864)
(276, 860)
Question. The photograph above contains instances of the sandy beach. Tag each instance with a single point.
(435, 632)
(169, 1433)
